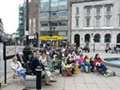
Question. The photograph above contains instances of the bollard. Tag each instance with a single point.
(5, 63)
(0, 85)
(38, 78)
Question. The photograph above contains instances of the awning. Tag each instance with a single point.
(47, 38)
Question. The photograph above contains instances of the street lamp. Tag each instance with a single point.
(27, 22)
(93, 42)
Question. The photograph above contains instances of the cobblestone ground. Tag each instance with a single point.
(82, 81)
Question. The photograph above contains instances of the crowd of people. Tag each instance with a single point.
(68, 60)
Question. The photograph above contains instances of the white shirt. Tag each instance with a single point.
(16, 65)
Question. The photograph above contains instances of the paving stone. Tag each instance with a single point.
(82, 81)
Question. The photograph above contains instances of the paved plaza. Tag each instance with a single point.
(82, 81)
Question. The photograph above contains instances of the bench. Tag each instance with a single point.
(30, 82)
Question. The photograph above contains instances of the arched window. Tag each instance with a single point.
(118, 38)
(107, 38)
(87, 38)
(97, 38)
(77, 40)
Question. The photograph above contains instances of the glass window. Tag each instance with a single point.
(44, 5)
(118, 38)
(54, 3)
(87, 21)
(77, 21)
(53, 23)
(107, 38)
(109, 8)
(43, 14)
(62, 2)
(53, 13)
(97, 10)
(87, 38)
(77, 40)
(63, 23)
(119, 19)
(62, 13)
(87, 10)
(77, 10)
(98, 21)
(108, 20)
(44, 24)
(97, 38)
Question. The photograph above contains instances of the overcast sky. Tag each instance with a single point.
(9, 14)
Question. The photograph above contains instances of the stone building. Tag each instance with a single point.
(95, 23)
(54, 17)
(34, 17)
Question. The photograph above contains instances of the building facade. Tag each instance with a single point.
(54, 17)
(1, 26)
(1, 30)
(95, 23)
(21, 28)
(33, 17)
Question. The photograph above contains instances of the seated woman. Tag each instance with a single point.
(99, 65)
(69, 66)
(87, 63)
(82, 63)
(17, 68)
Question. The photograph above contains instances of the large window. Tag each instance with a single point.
(97, 21)
(44, 14)
(44, 5)
(87, 10)
(77, 10)
(53, 13)
(62, 2)
(87, 21)
(97, 38)
(107, 38)
(77, 40)
(62, 13)
(87, 38)
(63, 23)
(108, 20)
(98, 10)
(108, 9)
(44, 23)
(118, 38)
(119, 19)
(54, 3)
(77, 21)
(54, 23)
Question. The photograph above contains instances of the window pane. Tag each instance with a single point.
(77, 21)
(63, 23)
(97, 38)
(62, 13)
(62, 2)
(77, 10)
(54, 3)
(107, 38)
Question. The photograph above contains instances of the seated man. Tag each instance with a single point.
(35, 63)
(17, 68)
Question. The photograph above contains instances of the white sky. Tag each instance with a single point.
(9, 14)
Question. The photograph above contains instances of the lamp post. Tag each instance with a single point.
(27, 22)
(0, 58)
(50, 27)
(93, 42)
